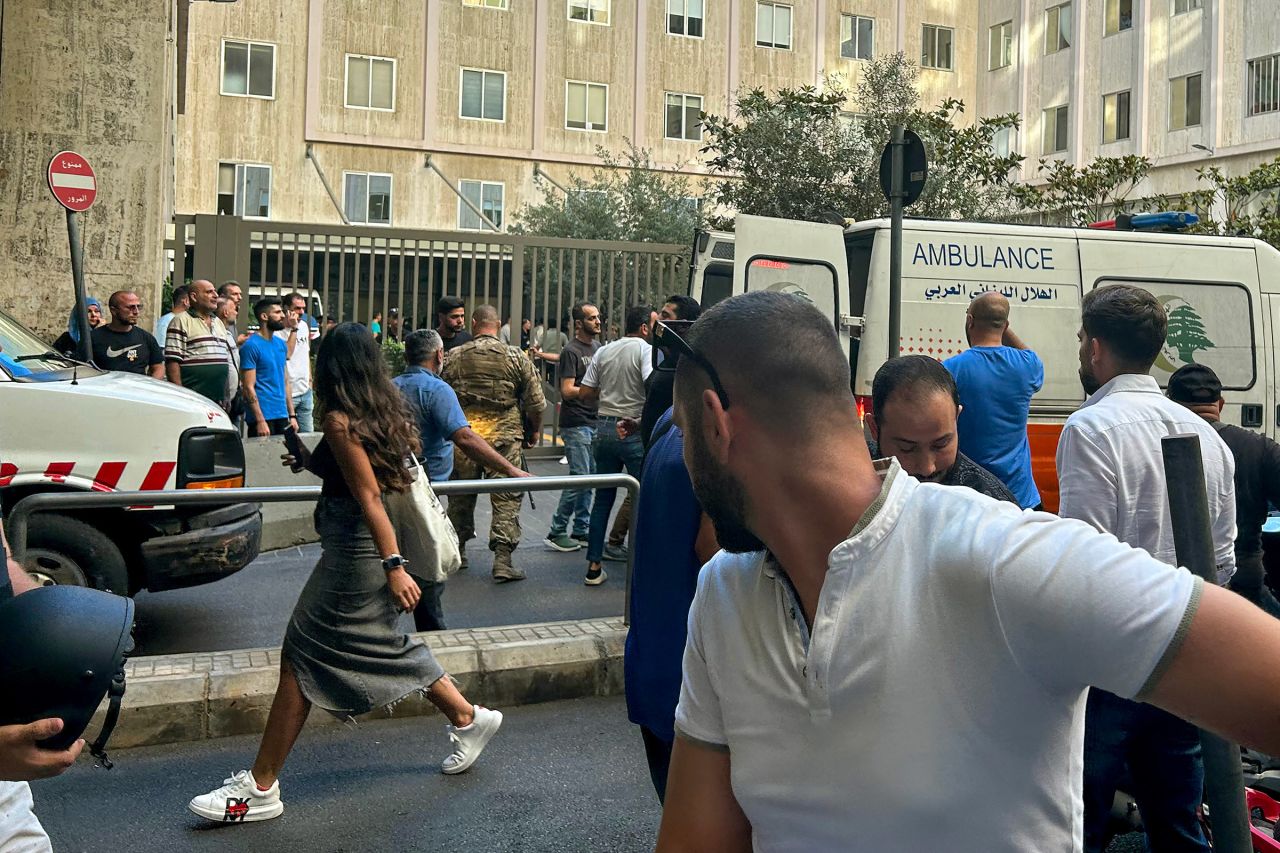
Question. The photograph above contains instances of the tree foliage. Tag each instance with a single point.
(625, 198)
(1079, 195)
(1247, 205)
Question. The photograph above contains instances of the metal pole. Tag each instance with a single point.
(896, 194)
(84, 350)
(1193, 544)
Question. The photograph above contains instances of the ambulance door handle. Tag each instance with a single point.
(1251, 415)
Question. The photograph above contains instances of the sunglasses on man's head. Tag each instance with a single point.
(667, 336)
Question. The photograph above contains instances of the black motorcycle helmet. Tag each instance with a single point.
(62, 649)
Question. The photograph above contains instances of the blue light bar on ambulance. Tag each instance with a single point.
(1172, 220)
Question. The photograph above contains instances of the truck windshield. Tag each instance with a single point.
(24, 357)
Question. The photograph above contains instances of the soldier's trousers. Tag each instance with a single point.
(505, 529)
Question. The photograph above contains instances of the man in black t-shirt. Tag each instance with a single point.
(451, 322)
(121, 345)
(577, 428)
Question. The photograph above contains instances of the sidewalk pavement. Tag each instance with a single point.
(186, 697)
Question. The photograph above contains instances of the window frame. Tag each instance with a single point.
(1251, 87)
(1003, 27)
(1198, 7)
(1128, 116)
(684, 111)
(391, 195)
(487, 4)
(464, 210)
(238, 200)
(1063, 44)
(222, 68)
(1107, 32)
(1185, 79)
(791, 25)
(590, 7)
(1066, 147)
(937, 29)
(462, 73)
(587, 107)
(685, 17)
(346, 77)
(853, 32)
(1008, 133)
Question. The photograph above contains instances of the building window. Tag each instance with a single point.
(857, 36)
(485, 195)
(1184, 102)
(367, 198)
(1180, 6)
(1119, 15)
(1001, 46)
(1056, 122)
(487, 4)
(1264, 85)
(484, 95)
(1002, 141)
(249, 69)
(1057, 28)
(244, 190)
(586, 106)
(684, 116)
(684, 18)
(590, 11)
(773, 25)
(935, 47)
(1115, 117)
(371, 83)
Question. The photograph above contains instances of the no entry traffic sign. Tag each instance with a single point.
(72, 181)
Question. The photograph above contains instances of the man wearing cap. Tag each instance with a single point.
(1257, 477)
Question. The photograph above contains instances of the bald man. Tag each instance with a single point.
(996, 378)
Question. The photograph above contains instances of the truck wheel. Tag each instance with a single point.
(64, 550)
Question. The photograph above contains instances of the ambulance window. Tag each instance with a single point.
(857, 249)
(813, 282)
(717, 284)
(1210, 324)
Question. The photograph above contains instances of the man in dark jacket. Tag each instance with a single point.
(1257, 478)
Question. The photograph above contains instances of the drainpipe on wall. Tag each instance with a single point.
(328, 189)
(468, 202)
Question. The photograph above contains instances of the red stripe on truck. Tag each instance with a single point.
(158, 476)
(108, 476)
(57, 472)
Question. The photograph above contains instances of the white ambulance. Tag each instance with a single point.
(66, 426)
(1222, 295)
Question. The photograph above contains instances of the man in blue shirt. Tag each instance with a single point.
(996, 377)
(673, 538)
(264, 381)
(441, 427)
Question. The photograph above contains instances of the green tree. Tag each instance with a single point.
(798, 153)
(1245, 205)
(1078, 195)
(625, 198)
(1186, 333)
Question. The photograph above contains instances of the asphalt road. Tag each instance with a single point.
(252, 607)
(565, 776)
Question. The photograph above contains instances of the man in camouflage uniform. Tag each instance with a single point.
(502, 398)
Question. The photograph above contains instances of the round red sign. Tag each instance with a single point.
(72, 181)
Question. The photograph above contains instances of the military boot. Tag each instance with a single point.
(503, 570)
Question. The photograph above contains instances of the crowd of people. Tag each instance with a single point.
(819, 600)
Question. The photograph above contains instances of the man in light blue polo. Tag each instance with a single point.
(997, 377)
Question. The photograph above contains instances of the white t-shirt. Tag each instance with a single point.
(938, 703)
(299, 364)
(619, 369)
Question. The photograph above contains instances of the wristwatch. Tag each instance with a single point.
(395, 561)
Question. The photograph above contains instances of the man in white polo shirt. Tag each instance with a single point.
(883, 664)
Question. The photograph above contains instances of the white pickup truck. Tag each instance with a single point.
(66, 426)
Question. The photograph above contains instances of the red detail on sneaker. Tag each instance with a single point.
(237, 808)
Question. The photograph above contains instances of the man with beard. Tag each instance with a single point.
(864, 621)
(121, 345)
(451, 321)
(264, 378)
(1111, 475)
(914, 409)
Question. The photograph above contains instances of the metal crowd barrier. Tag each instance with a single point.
(19, 519)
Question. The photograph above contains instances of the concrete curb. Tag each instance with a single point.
(175, 698)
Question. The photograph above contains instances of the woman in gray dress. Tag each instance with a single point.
(343, 650)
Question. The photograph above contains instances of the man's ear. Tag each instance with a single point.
(1096, 353)
(717, 426)
(1221, 403)
(870, 419)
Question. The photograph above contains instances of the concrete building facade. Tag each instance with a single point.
(373, 97)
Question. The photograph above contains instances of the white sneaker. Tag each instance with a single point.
(469, 741)
(239, 801)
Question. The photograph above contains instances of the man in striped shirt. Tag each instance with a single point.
(196, 355)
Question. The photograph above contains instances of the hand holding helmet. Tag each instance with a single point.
(22, 759)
